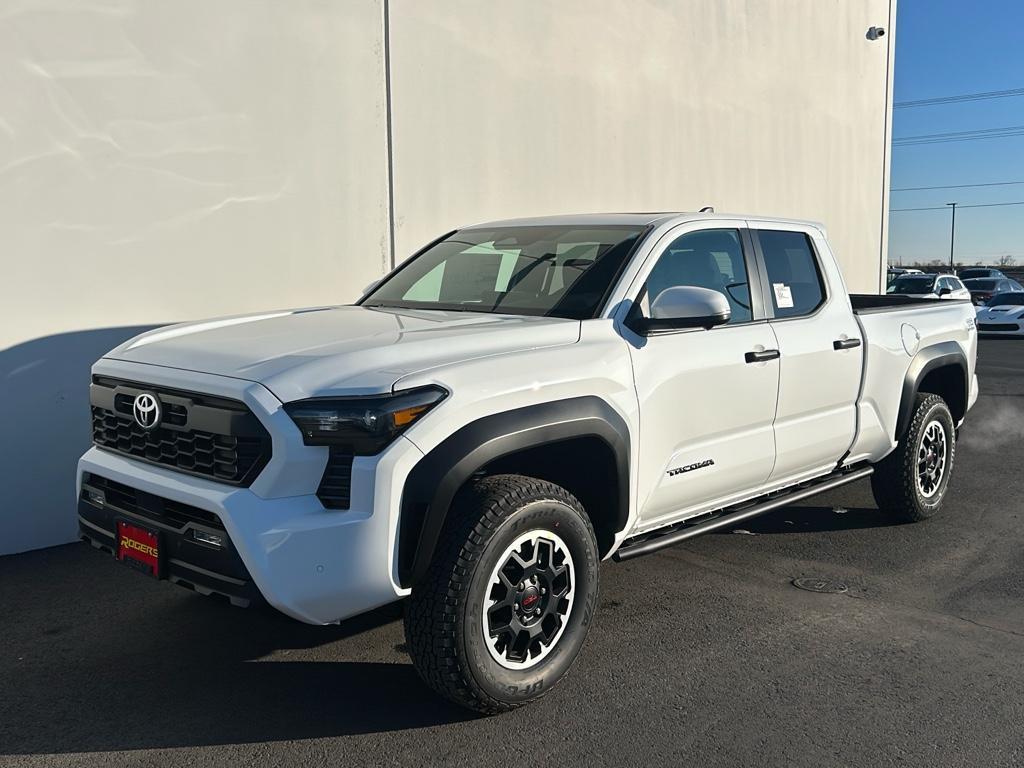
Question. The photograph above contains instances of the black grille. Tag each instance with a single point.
(156, 508)
(198, 434)
(997, 326)
(336, 484)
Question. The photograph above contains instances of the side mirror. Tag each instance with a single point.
(945, 292)
(684, 306)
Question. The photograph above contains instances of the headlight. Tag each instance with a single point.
(362, 425)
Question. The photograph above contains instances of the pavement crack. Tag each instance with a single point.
(982, 624)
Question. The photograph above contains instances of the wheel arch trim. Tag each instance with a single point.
(433, 482)
(928, 359)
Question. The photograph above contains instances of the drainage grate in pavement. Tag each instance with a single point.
(818, 584)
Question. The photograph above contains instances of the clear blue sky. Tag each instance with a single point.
(945, 48)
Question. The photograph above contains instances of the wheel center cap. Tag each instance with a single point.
(529, 599)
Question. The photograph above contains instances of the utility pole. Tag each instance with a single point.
(952, 237)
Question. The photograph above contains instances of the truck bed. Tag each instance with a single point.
(867, 303)
(894, 329)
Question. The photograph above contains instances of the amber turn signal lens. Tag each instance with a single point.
(408, 415)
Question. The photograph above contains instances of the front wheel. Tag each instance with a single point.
(911, 482)
(505, 606)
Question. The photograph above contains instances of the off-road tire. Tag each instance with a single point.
(895, 481)
(445, 615)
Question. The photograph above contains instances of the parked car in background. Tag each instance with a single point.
(1003, 315)
(971, 273)
(893, 272)
(927, 286)
(983, 288)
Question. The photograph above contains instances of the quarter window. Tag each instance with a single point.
(794, 279)
(709, 258)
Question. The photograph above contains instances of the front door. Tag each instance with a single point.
(706, 403)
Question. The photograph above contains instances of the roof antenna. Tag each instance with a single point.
(707, 209)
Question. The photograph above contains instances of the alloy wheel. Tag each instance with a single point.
(530, 596)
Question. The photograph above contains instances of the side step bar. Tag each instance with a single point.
(656, 540)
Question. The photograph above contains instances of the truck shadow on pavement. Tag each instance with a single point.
(98, 661)
(817, 519)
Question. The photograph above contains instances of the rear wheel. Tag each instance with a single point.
(911, 482)
(503, 611)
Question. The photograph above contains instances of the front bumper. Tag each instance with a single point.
(188, 561)
(314, 564)
(1001, 328)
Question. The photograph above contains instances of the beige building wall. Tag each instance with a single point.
(773, 107)
(166, 161)
(178, 160)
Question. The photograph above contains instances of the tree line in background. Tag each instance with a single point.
(1003, 262)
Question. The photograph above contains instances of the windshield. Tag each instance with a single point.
(556, 271)
(1015, 299)
(967, 274)
(915, 284)
(981, 285)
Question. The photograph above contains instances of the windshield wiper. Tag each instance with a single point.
(450, 308)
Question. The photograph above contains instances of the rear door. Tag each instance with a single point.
(820, 346)
(955, 287)
(959, 291)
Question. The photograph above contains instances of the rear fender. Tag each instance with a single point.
(926, 361)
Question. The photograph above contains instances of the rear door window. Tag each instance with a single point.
(795, 284)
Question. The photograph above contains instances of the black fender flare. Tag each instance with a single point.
(432, 484)
(928, 359)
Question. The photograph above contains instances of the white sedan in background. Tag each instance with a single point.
(1003, 315)
(929, 286)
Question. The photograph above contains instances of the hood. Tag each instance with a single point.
(339, 350)
(1002, 312)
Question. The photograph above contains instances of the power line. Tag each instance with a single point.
(958, 139)
(943, 208)
(960, 97)
(950, 136)
(971, 132)
(957, 186)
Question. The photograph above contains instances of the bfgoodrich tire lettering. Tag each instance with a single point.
(911, 482)
(446, 614)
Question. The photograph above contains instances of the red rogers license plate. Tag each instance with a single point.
(138, 548)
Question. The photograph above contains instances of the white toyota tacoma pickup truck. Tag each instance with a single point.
(516, 402)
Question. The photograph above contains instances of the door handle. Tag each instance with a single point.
(761, 357)
(845, 343)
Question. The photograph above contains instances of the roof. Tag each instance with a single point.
(629, 219)
(580, 219)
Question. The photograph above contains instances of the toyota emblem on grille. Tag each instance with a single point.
(147, 410)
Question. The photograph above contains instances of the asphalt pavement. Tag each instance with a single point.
(704, 654)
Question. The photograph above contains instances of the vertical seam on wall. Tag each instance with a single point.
(390, 264)
(883, 228)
